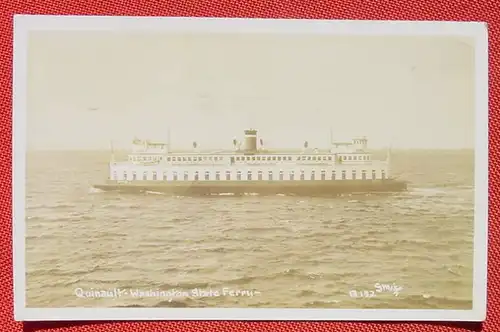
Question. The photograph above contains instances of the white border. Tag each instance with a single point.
(25, 23)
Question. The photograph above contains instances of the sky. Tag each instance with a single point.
(86, 89)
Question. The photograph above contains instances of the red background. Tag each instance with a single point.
(451, 10)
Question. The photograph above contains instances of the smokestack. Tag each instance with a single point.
(250, 141)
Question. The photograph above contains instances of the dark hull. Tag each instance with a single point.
(299, 188)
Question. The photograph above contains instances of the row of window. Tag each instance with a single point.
(362, 157)
(249, 176)
(156, 158)
(248, 158)
(145, 158)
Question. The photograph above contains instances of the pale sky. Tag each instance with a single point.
(87, 88)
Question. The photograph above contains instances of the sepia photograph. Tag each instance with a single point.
(183, 168)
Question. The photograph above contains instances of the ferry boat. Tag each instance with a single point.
(250, 168)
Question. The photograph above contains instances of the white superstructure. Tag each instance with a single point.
(155, 161)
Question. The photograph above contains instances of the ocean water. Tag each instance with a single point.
(86, 248)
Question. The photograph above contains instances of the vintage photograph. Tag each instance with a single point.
(191, 168)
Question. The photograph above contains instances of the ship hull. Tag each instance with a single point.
(299, 188)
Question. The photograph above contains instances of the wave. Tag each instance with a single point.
(52, 206)
(34, 218)
(290, 273)
(233, 194)
(175, 303)
(61, 218)
(424, 301)
(149, 192)
(321, 304)
(60, 272)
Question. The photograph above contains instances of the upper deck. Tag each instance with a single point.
(249, 152)
(210, 158)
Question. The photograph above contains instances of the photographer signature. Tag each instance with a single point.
(379, 288)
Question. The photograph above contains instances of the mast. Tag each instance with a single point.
(388, 160)
(112, 151)
(168, 140)
(330, 144)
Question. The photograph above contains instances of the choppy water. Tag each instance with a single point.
(291, 252)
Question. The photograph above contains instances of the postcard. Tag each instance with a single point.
(249, 169)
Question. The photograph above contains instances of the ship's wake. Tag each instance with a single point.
(427, 191)
(93, 190)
